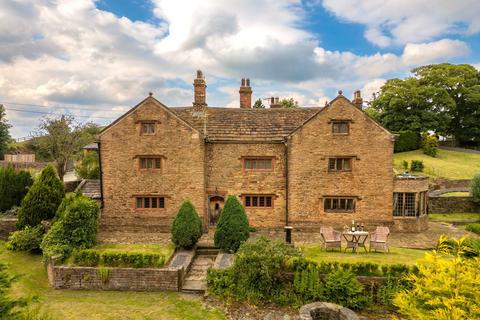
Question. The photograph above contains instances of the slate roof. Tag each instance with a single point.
(232, 124)
(90, 188)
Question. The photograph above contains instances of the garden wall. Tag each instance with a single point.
(440, 183)
(438, 204)
(168, 278)
(7, 225)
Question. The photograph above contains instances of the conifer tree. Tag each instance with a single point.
(232, 227)
(187, 226)
(42, 199)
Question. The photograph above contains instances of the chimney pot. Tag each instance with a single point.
(245, 94)
(357, 99)
(200, 91)
(274, 102)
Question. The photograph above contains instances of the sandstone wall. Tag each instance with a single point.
(181, 177)
(438, 204)
(370, 181)
(7, 226)
(225, 175)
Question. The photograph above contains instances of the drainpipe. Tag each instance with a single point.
(286, 180)
(101, 173)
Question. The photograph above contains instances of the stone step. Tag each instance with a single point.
(207, 251)
(194, 286)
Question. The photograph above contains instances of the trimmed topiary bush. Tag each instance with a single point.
(28, 239)
(406, 141)
(42, 199)
(13, 187)
(76, 229)
(475, 189)
(187, 226)
(232, 227)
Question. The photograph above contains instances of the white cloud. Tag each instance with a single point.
(69, 52)
(409, 21)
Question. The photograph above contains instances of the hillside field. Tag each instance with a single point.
(448, 164)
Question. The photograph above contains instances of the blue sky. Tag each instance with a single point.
(95, 59)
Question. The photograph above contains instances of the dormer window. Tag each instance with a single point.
(147, 128)
(340, 127)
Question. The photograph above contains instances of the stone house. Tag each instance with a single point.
(301, 167)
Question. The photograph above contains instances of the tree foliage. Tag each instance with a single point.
(62, 138)
(289, 103)
(232, 227)
(406, 105)
(13, 187)
(406, 141)
(42, 199)
(446, 286)
(443, 98)
(4, 132)
(76, 228)
(258, 104)
(187, 226)
(88, 168)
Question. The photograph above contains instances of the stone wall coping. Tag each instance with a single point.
(439, 192)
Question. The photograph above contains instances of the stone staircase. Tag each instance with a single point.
(196, 278)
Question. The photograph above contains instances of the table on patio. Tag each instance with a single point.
(355, 239)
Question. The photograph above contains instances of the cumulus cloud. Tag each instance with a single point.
(408, 21)
(70, 53)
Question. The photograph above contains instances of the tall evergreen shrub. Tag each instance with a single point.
(42, 199)
(406, 141)
(13, 187)
(187, 226)
(232, 227)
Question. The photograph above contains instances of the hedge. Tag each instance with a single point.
(407, 141)
(94, 258)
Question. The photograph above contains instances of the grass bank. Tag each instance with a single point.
(454, 217)
(448, 164)
(97, 305)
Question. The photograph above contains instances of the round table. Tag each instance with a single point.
(355, 239)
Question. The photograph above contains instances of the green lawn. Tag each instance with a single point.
(454, 217)
(396, 255)
(447, 164)
(97, 305)
(455, 194)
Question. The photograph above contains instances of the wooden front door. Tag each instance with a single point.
(215, 206)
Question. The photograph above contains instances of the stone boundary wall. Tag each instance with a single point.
(25, 165)
(168, 278)
(121, 279)
(437, 204)
(7, 225)
(441, 183)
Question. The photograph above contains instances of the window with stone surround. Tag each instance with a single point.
(258, 163)
(258, 201)
(340, 164)
(408, 204)
(150, 202)
(340, 127)
(339, 204)
(150, 162)
(147, 128)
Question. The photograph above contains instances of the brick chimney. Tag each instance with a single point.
(275, 102)
(200, 90)
(245, 94)
(357, 99)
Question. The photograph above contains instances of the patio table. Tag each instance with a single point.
(355, 239)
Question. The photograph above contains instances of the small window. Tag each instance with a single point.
(148, 128)
(338, 204)
(258, 201)
(340, 127)
(150, 202)
(340, 164)
(150, 163)
(257, 164)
